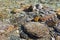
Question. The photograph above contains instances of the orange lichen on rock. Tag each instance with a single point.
(58, 11)
(11, 28)
(36, 19)
(39, 18)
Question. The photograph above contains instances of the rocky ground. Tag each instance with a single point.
(29, 20)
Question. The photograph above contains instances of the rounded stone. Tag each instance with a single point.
(57, 37)
(57, 27)
(35, 29)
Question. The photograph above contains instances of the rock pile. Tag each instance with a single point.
(40, 23)
(36, 22)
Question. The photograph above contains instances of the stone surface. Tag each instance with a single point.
(33, 29)
(36, 29)
(58, 13)
(50, 23)
(57, 27)
(57, 37)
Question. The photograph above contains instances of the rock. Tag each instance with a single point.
(3, 37)
(50, 23)
(3, 16)
(3, 25)
(44, 18)
(30, 9)
(57, 37)
(44, 38)
(42, 1)
(12, 37)
(37, 7)
(23, 35)
(35, 30)
(36, 19)
(58, 13)
(53, 38)
(47, 14)
(58, 16)
(57, 27)
(25, 8)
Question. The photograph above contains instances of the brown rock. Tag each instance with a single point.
(44, 18)
(51, 23)
(57, 37)
(58, 13)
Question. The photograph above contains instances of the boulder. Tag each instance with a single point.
(35, 30)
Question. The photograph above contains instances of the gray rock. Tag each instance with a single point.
(23, 35)
(12, 37)
(36, 30)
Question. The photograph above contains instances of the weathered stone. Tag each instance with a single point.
(57, 27)
(50, 23)
(58, 13)
(23, 35)
(57, 37)
(12, 37)
(36, 30)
